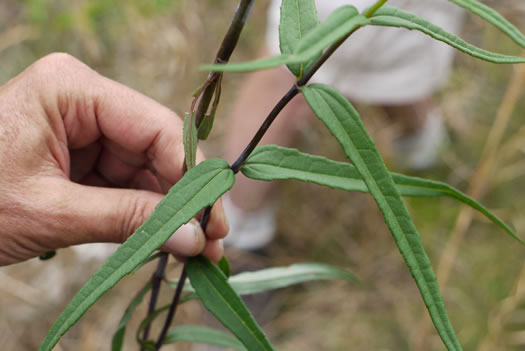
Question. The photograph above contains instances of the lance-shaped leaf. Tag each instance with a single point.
(225, 267)
(221, 300)
(493, 17)
(280, 277)
(205, 128)
(297, 19)
(392, 17)
(271, 162)
(206, 124)
(203, 335)
(118, 338)
(200, 187)
(189, 135)
(344, 123)
(337, 26)
(247, 283)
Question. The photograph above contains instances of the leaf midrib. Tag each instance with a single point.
(301, 65)
(202, 272)
(440, 188)
(111, 275)
(392, 215)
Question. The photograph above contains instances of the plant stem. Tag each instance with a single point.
(371, 10)
(294, 90)
(178, 292)
(173, 309)
(234, 32)
(156, 280)
(223, 55)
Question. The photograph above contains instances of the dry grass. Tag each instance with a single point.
(156, 51)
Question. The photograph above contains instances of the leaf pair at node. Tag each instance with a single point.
(303, 40)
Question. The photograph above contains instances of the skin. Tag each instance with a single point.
(85, 159)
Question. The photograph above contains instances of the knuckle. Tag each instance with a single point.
(55, 62)
(57, 68)
(60, 58)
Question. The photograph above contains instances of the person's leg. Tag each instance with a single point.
(258, 95)
(249, 205)
(261, 91)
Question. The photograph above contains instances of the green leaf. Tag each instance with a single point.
(337, 26)
(298, 17)
(392, 17)
(260, 64)
(344, 123)
(271, 162)
(200, 187)
(247, 283)
(280, 277)
(413, 186)
(149, 259)
(205, 127)
(203, 335)
(190, 138)
(494, 18)
(206, 123)
(225, 267)
(118, 338)
(222, 301)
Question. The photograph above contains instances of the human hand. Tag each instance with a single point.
(74, 148)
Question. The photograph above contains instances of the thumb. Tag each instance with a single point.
(94, 214)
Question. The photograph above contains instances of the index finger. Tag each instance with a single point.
(136, 128)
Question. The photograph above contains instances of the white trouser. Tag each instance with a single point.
(382, 65)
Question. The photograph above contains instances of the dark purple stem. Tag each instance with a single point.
(223, 55)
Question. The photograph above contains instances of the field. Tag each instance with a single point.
(156, 47)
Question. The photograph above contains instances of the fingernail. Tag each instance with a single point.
(188, 240)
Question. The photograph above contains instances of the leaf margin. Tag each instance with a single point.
(407, 185)
(410, 245)
(211, 285)
(87, 295)
(393, 17)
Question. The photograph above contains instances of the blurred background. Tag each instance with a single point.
(155, 46)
